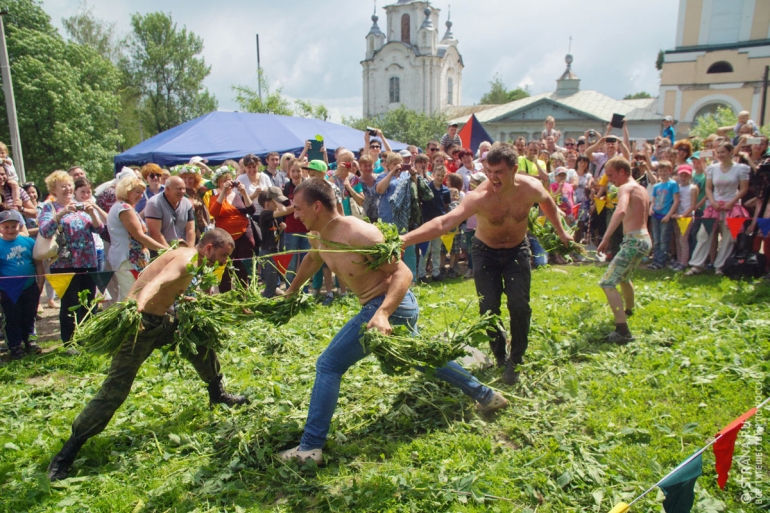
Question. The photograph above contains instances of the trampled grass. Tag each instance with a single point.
(589, 424)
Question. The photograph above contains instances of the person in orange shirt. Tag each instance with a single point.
(231, 208)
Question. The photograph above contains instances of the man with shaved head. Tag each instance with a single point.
(170, 216)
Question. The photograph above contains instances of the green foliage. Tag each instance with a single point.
(272, 102)
(165, 71)
(660, 60)
(499, 94)
(404, 125)
(708, 124)
(589, 424)
(65, 95)
(84, 29)
(638, 96)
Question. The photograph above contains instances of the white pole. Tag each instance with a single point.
(10, 104)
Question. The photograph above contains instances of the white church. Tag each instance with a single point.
(409, 65)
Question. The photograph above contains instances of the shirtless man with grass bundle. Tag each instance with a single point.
(385, 298)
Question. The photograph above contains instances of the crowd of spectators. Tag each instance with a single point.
(124, 222)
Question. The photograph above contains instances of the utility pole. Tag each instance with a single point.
(259, 72)
(10, 103)
(764, 97)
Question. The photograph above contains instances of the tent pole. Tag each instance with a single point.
(259, 72)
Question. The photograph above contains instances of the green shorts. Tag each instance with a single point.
(636, 245)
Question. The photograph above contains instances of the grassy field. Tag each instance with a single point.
(589, 424)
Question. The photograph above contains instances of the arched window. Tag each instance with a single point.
(720, 67)
(449, 90)
(405, 37)
(395, 90)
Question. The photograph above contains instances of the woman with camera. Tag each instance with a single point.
(71, 224)
(232, 208)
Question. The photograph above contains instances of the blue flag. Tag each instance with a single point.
(679, 487)
(13, 286)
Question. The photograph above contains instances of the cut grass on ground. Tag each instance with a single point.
(589, 424)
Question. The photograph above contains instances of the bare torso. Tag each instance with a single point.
(502, 216)
(161, 282)
(351, 267)
(638, 206)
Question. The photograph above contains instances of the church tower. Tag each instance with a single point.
(408, 65)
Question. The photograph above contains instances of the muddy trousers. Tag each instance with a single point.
(158, 331)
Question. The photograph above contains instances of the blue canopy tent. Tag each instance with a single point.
(219, 136)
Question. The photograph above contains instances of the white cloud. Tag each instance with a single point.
(313, 51)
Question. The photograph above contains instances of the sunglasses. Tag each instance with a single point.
(432, 149)
(28, 184)
(569, 144)
(154, 175)
(375, 147)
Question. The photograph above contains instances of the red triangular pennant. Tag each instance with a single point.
(736, 225)
(725, 446)
(282, 262)
(764, 226)
(135, 273)
(575, 210)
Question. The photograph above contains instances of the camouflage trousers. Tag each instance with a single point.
(158, 331)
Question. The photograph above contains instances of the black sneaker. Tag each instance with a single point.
(328, 300)
(510, 374)
(61, 463)
(424, 280)
(17, 353)
(451, 273)
(32, 347)
(437, 278)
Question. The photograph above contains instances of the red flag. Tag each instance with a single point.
(735, 224)
(575, 210)
(725, 446)
(282, 262)
(135, 273)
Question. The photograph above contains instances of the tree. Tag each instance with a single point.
(166, 73)
(404, 125)
(83, 28)
(272, 102)
(660, 60)
(638, 96)
(499, 94)
(708, 124)
(65, 94)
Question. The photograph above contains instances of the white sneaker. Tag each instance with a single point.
(302, 456)
(496, 403)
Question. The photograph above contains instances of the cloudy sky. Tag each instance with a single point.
(313, 49)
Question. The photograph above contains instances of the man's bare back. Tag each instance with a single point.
(161, 282)
(351, 267)
(635, 217)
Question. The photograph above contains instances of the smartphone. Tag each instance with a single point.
(617, 120)
(80, 206)
(372, 131)
(315, 153)
(707, 154)
(640, 144)
(754, 140)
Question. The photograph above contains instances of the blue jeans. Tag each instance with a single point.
(541, 256)
(293, 243)
(345, 350)
(661, 239)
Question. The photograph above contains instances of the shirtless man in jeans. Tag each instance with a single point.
(631, 210)
(156, 290)
(500, 247)
(385, 298)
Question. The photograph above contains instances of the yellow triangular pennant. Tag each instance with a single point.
(447, 240)
(600, 202)
(219, 272)
(60, 282)
(541, 220)
(684, 223)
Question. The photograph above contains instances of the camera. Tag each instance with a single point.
(372, 131)
(592, 132)
(80, 207)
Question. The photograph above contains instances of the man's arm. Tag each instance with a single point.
(400, 281)
(551, 211)
(591, 149)
(189, 234)
(309, 266)
(385, 144)
(154, 226)
(382, 186)
(443, 224)
(617, 218)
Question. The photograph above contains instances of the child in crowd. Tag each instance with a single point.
(84, 195)
(10, 173)
(664, 204)
(19, 307)
(688, 199)
(550, 130)
(271, 200)
(454, 253)
(564, 193)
